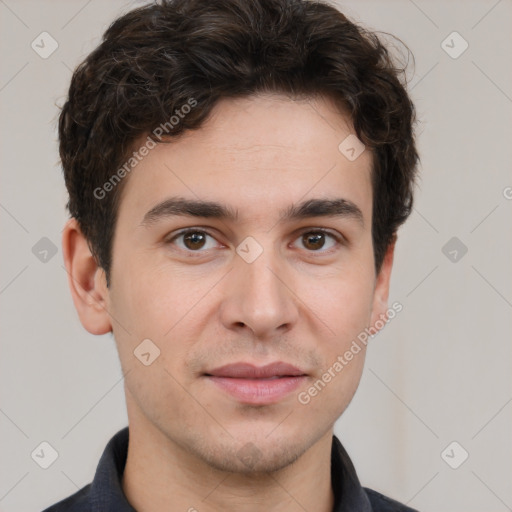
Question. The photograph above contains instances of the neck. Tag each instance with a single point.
(160, 475)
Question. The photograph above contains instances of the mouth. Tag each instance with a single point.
(255, 385)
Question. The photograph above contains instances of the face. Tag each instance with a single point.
(253, 287)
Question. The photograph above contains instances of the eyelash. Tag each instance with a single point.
(338, 238)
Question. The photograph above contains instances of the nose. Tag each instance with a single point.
(259, 296)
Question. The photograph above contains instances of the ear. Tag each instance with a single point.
(86, 280)
(381, 291)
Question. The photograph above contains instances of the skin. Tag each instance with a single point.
(294, 303)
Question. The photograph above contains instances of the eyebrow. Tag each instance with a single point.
(179, 206)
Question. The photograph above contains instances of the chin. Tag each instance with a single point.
(252, 459)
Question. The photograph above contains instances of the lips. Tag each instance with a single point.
(255, 385)
(249, 371)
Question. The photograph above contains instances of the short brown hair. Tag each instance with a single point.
(154, 59)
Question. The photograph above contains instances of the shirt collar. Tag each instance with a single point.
(349, 495)
(106, 492)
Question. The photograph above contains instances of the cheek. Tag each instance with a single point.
(161, 303)
(146, 296)
(156, 305)
(342, 300)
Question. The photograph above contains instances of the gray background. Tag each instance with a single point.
(439, 372)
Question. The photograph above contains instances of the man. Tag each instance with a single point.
(237, 172)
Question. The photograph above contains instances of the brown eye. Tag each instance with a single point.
(193, 240)
(313, 241)
(317, 241)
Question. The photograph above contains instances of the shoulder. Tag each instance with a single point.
(381, 503)
(78, 502)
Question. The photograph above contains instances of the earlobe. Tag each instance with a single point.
(381, 292)
(86, 280)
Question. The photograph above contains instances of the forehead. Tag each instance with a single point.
(255, 154)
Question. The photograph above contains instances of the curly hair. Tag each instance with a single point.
(154, 59)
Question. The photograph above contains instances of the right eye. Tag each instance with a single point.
(192, 240)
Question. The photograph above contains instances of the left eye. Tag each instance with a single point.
(315, 240)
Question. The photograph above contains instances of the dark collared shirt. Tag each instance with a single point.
(105, 493)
